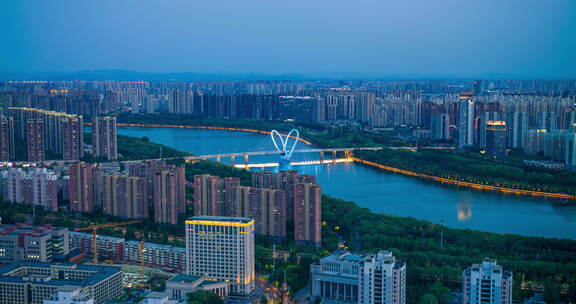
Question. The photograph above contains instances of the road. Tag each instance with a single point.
(272, 292)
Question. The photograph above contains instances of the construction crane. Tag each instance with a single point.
(95, 228)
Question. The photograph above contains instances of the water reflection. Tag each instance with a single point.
(464, 211)
(387, 193)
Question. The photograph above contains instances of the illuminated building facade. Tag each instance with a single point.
(496, 138)
(221, 248)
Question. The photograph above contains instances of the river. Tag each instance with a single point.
(389, 193)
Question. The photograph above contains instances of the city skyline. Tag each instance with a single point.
(421, 39)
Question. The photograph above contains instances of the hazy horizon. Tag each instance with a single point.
(418, 38)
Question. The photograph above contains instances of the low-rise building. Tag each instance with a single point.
(155, 255)
(345, 278)
(179, 286)
(109, 248)
(20, 242)
(34, 282)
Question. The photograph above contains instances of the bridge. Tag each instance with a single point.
(232, 156)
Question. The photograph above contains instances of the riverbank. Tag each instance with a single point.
(530, 183)
(467, 184)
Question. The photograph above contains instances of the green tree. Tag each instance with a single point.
(264, 300)
(441, 293)
(204, 297)
(428, 298)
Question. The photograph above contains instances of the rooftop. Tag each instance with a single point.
(99, 273)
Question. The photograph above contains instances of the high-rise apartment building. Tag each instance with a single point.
(486, 283)
(213, 195)
(124, 196)
(6, 138)
(570, 156)
(104, 139)
(307, 214)
(36, 186)
(221, 248)
(266, 206)
(440, 126)
(20, 242)
(80, 187)
(35, 140)
(344, 278)
(496, 138)
(72, 138)
(61, 133)
(169, 195)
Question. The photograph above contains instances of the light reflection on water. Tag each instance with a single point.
(384, 192)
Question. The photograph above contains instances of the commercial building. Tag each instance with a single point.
(496, 138)
(155, 255)
(486, 283)
(104, 139)
(34, 282)
(109, 248)
(345, 278)
(20, 242)
(180, 285)
(222, 249)
(307, 214)
(80, 187)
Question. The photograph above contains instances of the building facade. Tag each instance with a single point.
(155, 255)
(104, 138)
(7, 151)
(345, 278)
(307, 214)
(80, 187)
(34, 282)
(20, 242)
(496, 139)
(486, 283)
(222, 249)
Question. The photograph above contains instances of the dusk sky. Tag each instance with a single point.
(523, 38)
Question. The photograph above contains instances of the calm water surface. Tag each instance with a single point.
(389, 193)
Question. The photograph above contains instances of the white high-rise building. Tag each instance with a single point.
(221, 248)
(486, 283)
(345, 278)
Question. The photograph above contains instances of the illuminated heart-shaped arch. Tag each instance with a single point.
(284, 141)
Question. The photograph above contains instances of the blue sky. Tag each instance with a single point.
(525, 38)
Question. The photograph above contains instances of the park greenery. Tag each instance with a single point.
(539, 264)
